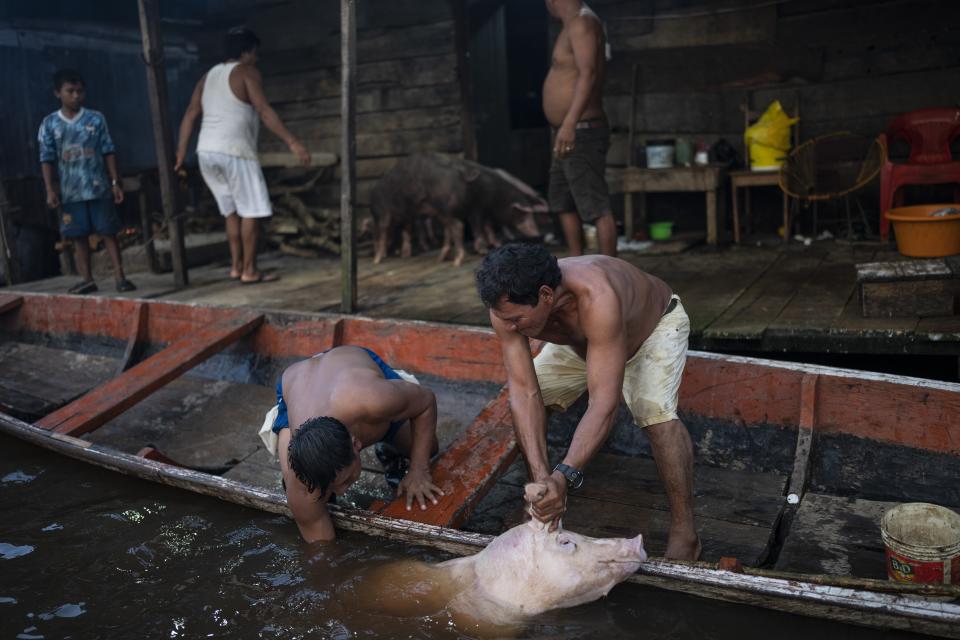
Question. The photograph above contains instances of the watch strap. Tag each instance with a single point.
(573, 475)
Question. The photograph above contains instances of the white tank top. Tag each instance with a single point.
(229, 124)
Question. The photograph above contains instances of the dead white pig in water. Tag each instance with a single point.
(523, 572)
(455, 192)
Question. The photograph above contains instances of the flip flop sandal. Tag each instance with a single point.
(82, 288)
(125, 285)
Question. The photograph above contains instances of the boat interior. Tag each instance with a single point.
(191, 384)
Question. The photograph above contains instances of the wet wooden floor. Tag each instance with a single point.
(774, 299)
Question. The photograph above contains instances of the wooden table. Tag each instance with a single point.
(747, 179)
(629, 180)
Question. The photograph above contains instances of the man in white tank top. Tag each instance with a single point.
(230, 98)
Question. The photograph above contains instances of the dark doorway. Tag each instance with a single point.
(510, 53)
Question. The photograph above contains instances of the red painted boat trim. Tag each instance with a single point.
(894, 409)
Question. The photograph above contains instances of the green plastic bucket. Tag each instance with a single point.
(661, 230)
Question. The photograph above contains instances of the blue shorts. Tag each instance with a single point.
(81, 219)
(282, 420)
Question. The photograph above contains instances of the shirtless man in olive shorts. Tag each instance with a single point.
(573, 105)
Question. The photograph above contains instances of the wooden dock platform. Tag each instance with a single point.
(745, 299)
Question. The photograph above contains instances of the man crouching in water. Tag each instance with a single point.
(342, 401)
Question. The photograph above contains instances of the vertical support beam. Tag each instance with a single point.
(462, 43)
(808, 416)
(348, 156)
(137, 338)
(8, 254)
(162, 132)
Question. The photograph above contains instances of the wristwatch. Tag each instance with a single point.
(114, 183)
(573, 475)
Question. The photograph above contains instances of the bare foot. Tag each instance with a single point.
(234, 274)
(257, 278)
(683, 549)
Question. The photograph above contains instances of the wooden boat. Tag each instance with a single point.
(132, 385)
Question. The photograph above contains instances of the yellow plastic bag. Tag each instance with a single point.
(768, 139)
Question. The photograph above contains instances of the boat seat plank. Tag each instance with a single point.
(119, 394)
(9, 302)
(468, 468)
(39, 379)
(836, 536)
(735, 511)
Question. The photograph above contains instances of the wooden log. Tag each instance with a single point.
(281, 159)
(112, 398)
(308, 185)
(467, 470)
(873, 603)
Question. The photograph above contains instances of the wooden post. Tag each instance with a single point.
(348, 156)
(8, 254)
(162, 133)
(462, 42)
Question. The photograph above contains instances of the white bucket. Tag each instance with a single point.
(922, 543)
(660, 154)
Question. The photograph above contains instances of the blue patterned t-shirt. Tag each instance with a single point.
(77, 147)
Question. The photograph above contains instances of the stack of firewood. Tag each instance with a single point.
(306, 217)
(305, 222)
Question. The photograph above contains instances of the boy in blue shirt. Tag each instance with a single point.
(77, 140)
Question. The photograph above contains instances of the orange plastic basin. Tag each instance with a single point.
(921, 235)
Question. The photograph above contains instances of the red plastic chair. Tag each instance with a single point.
(929, 132)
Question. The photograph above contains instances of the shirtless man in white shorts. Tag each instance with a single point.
(230, 98)
(611, 330)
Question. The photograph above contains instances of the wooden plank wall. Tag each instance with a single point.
(854, 64)
(408, 96)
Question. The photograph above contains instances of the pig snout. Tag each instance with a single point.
(635, 549)
(528, 226)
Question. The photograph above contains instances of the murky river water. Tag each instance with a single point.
(86, 553)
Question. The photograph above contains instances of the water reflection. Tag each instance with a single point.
(111, 557)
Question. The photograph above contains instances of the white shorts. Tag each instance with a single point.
(237, 184)
(651, 378)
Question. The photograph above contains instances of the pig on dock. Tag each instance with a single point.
(455, 192)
